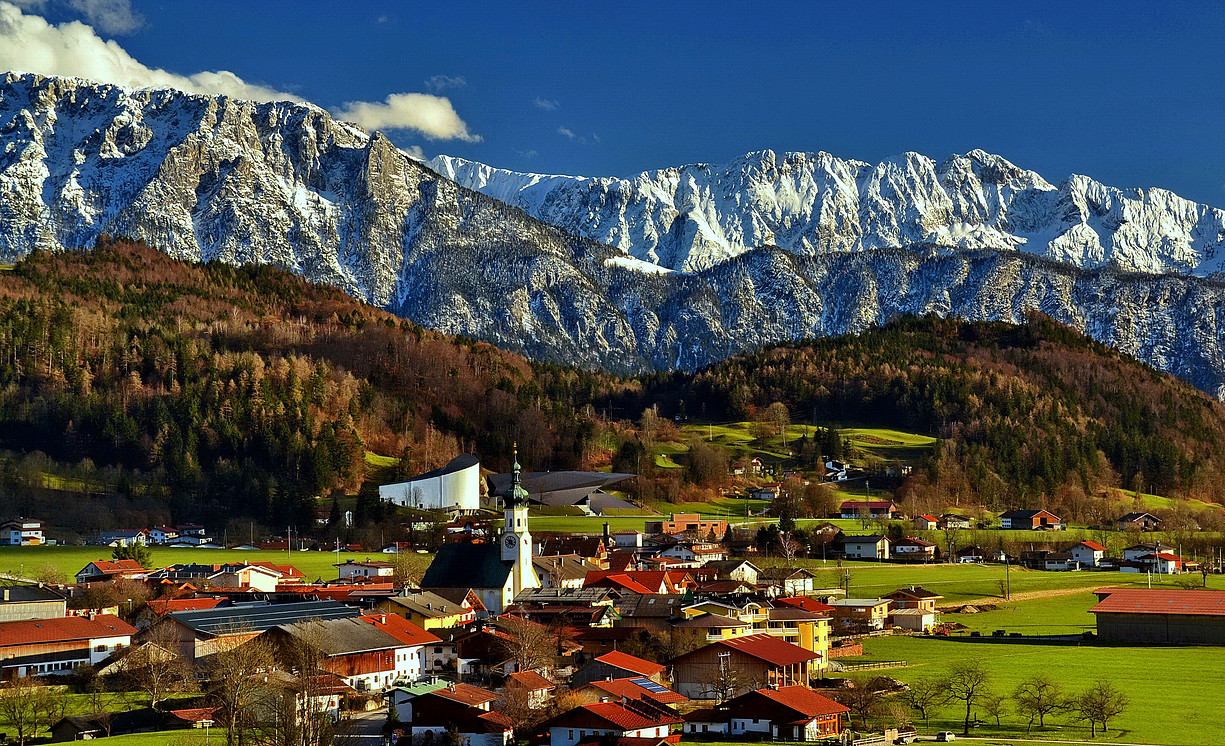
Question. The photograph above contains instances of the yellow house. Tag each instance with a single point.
(707, 628)
(428, 610)
(807, 629)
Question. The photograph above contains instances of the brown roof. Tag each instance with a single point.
(639, 688)
(766, 648)
(1160, 601)
(803, 700)
(628, 715)
(464, 694)
(400, 628)
(62, 629)
(531, 681)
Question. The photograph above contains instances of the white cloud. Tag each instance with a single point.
(29, 43)
(432, 116)
(443, 82)
(110, 16)
(529, 154)
(571, 135)
(545, 103)
(415, 152)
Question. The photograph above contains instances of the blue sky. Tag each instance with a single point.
(1131, 94)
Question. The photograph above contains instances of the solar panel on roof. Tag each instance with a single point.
(649, 685)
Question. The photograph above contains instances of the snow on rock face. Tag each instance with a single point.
(648, 273)
(693, 217)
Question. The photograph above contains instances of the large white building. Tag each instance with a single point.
(456, 486)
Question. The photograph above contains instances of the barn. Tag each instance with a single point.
(1160, 615)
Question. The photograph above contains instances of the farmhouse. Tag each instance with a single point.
(630, 718)
(955, 520)
(914, 549)
(1088, 553)
(703, 673)
(789, 713)
(926, 522)
(1160, 615)
(616, 665)
(867, 613)
(1031, 520)
(22, 532)
(1139, 521)
(107, 570)
(871, 547)
(42, 647)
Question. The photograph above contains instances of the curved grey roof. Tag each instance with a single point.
(459, 463)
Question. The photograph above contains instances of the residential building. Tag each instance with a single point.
(430, 707)
(411, 658)
(1031, 520)
(808, 629)
(428, 610)
(22, 532)
(697, 552)
(1140, 550)
(33, 601)
(616, 665)
(636, 687)
(734, 570)
(1139, 521)
(197, 634)
(916, 620)
(1161, 616)
(631, 718)
(705, 628)
(46, 647)
(121, 538)
(869, 509)
(788, 713)
(700, 674)
(911, 549)
(162, 535)
(956, 520)
(534, 689)
(914, 597)
(861, 613)
(649, 612)
(871, 547)
(926, 522)
(563, 571)
(246, 577)
(787, 581)
(359, 651)
(101, 571)
(766, 491)
(1059, 562)
(691, 524)
(1088, 553)
(366, 570)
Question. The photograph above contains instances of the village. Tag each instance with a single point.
(687, 630)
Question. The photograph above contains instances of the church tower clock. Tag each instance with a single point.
(516, 541)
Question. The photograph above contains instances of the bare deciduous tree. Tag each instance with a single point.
(155, 666)
(995, 705)
(234, 672)
(862, 697)
(529, 645)
(968, 682)
(1037, 697)
(923, 695)
(19, 704)
(1099, 704)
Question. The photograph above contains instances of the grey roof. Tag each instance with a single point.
(258, 617)
(710, 620)
(563, 596)
(459, 463)
(16, 594)
(559, 487)
(565, 567)
(428, 604)
(653, 605)
(341, 636)
(467, 566)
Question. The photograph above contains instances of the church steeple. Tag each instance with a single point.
(516, 542)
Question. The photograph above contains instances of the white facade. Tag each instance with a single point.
(1086, 555)
(361, 570)
(23, 533)
(562, 736)
(447, 488)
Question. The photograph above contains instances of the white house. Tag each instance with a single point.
(1140, 550)
(246, 576)
(454, 487)
(912, 548)
(630, 718)
(44, 647)
(22, 532)
(368, 569)
(1088, 553)
(866, 547)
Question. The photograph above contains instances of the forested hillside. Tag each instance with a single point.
(1028, 415)
(136, 389)
(173, 391)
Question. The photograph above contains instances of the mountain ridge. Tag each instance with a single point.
(215, 179)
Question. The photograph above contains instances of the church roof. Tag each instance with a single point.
(468, 566)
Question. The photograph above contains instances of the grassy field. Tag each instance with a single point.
(26, 561)
(1174, 692)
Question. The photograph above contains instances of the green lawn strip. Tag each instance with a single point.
(1174, 692)
(70, 559)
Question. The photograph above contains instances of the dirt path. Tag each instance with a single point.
(1026, 596)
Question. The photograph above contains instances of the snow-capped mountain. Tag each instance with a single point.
(692, 217)
(216, 179)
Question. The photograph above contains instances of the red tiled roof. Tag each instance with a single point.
(1093, 545)
(195, 714)
(114, 567)
(63, 629)
(163, 606)
(465, 694)
(631, 663)
(807, 604)
(931, 518)
(1164, 556)
(651, 579)
(287, 571)
(803, 700)
(768, 648)
(531, 680)
(400, 628)
(622, 581)
(628, 689)
(1160, 601)
(915, 541)
(624, 716)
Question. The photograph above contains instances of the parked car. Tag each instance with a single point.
(945, 736)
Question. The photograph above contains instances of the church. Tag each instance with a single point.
(496, 571)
